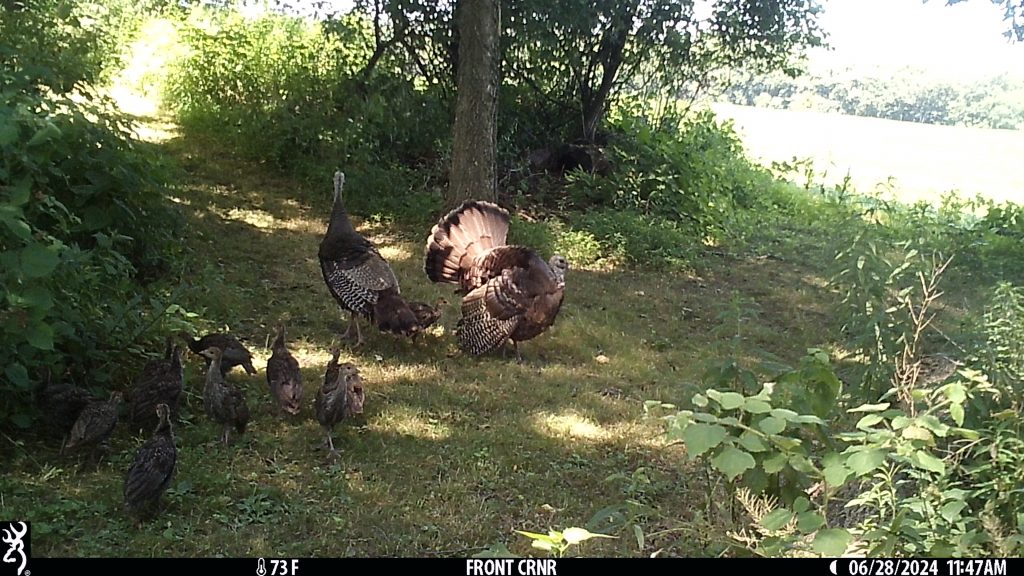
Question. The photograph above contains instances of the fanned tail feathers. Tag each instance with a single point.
(461, 236)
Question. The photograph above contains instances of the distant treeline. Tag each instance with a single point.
(996, 102)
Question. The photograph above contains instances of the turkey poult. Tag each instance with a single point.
(340, 397)
(60, 403)
(510, 292)
(95, 424)
(151, 472)
(160, 382)
(235, 354)
(223, 402)
(284, 376)
(359, 278)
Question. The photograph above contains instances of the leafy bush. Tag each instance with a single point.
(83, 227)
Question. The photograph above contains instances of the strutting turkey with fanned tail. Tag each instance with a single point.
(359, 278)
(510, 292)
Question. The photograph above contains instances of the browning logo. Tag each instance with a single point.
(17, 538)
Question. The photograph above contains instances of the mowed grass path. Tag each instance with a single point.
(453, 453)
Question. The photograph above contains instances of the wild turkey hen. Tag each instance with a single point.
(153, 468)
(510, 292)
(340, 397)
(284, 376)
(223, 402)
(95, 424)
(359, 278)
(234, 353)
(161, 381)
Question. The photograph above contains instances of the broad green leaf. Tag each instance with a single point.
(836, 475)
(539, 537)
(868, 421)
(784, 414)
(923, 459)
(44, 135)
(38, 260)
(934, 424)
(37, 297)
(771, 425)
(22, 421)
(801, 504)
(775, 463)
(18, 375)
(900, 422)
(956, 392)
(918, 433)
(808, 419)
(870, 408)
(705, 417)
(752, 442)
(800, 463)
(15, 224)
(8, 134)
(809, 521)
(957, 412)
(786, 443)
(731, 400)
(545, 545)
(700, 438)
(776, 519)
(732, 462)
(40, 336)
(966, 433)
(865, 461)
(831, 542)
(638, 532)
(21, 192)
(951, 510)
(756, 406)
(700, 401)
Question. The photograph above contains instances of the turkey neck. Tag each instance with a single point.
(340, 225)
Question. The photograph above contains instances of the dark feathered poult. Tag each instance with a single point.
(341, 396)
(234, 352)
(223, 402)
(95, 424)
(284, 376)
(153, 468)
(161, 381)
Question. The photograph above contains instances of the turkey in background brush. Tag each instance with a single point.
(510, 292)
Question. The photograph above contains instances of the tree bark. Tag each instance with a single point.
(475, 140)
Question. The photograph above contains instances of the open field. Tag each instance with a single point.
(925, 160)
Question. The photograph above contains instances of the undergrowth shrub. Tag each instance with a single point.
(83, 229)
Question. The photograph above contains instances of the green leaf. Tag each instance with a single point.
(868, 421)
(732, 462)
(800, 463)
(831, 542)
(808, 419)
(934, 424)
(900, 422)
(498, 550)
(638, 532)
(809, 521)
(38, 260)
(22, 421)
(869, 408)
(865, 461)
(40, 336)
(776, 519)
(784, 414)
(700, 438)
(44, 135)
(37, 297)
(8, 134)
(951, 510)
(836, 475)
(545, 545)
(801, 504)
(576, 535)
(918, 433)
(771, 425)
(18, 375)
(21, 192)
(775, 463)
(755, 406)
(700, 401)
(924, 460)
(15, 223)
(731, 400)
(752, 442)
(957, 412)
(539, 537)
(956, 392)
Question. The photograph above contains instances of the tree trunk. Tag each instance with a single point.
(475, 140)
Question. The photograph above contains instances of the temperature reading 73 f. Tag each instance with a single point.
(284, 567)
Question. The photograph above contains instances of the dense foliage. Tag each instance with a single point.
(85, 227)
(996, 102)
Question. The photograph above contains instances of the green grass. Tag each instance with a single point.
(453, 453)
(924, 160)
